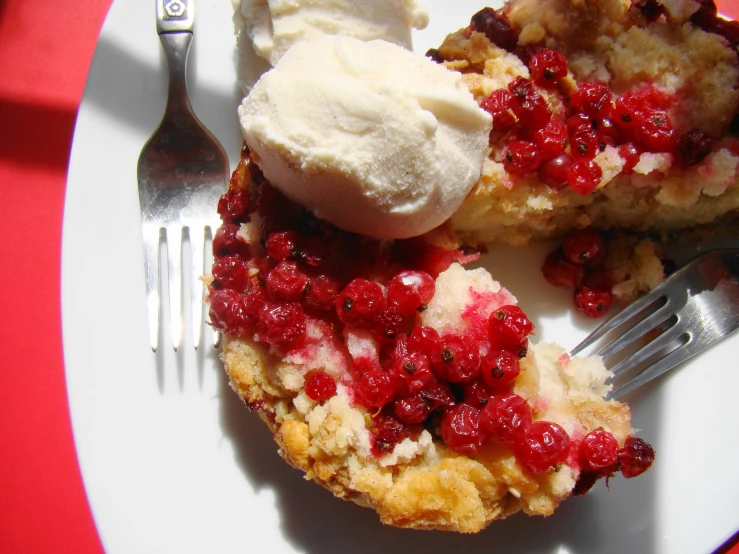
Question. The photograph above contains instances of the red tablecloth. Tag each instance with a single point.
(45, 51)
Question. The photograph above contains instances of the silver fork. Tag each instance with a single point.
(182, 171)
(694, 308)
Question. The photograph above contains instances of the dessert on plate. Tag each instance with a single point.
(388, 372)
(608, 113)
(611, 115)
(396, 378)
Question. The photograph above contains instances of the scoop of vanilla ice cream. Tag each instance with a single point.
(368, 135)
(275, 25)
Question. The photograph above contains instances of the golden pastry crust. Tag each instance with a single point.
(605, 41)
(430, 487)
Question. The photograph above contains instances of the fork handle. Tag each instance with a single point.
(175, 16)
(176, 47)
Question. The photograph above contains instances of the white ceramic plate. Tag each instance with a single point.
(173, 462)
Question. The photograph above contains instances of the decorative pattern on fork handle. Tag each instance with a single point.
(182, 171)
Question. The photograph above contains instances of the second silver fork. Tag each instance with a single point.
(182, 172)
(693, 309)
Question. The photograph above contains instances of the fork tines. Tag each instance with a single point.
(173, 236)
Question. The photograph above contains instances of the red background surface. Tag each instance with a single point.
(45, 52)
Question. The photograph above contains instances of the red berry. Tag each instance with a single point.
(552, 139)
(496, 27)
(281, 245)
(635, 457)
(505, 418)
(585, 145)
(460, 429)
(227, 312)
(499, 369)
(593, 303)
(411, 409)
(693, 147)
(501, 105)
(321, 292)
(521, 157)
(508, 328)
(281, 324)
(655, 133)
(411, 370)
(582, 245)
(544, 445)
(458, 360)
(230, 272)
(227, 241)
(583, 176)
(598, 450)
(548, 67)
(579, 124)
(608, 131)
(561, 272)
(320, 386)
(591, 98)
(360, 304)
(476, 393)
(532, 109)
(286, 282)
(374, 388)
(234, 204)
(410, 290)
(553, 173)
(436, 395)
(387, 432)
(425, 340)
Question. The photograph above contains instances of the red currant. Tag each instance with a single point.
(593, 303)
(281, 245)
(320, 386)
(548, 67)
(501, 105)
(521, 157)
(553, 173)
(286, 282)
(552, 139)
(591, 97)
(499, 369)
(496, 27)
(582, 245)
(360, 304)
(561, 272)
(598, 450)
(505, 418)
(281, 324)
(584, 176)
(410, 290)
(411, 409)
(321, 292)
(460, 429)
(636, 457)
(544, 445)
(508, 328)
(693, 147)
(458, 360)
(230, 272)
(374, 388)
